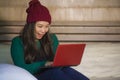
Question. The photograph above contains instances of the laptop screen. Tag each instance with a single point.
(69, 54)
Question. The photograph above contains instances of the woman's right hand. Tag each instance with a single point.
(48, 63)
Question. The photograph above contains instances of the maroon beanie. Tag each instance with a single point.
(37, 12)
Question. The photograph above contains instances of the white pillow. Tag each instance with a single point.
(11, 72)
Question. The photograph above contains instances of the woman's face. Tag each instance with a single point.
(41, 27)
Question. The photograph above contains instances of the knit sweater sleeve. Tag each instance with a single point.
(55, 42)
(17, 54)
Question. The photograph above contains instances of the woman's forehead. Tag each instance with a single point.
(42, 23)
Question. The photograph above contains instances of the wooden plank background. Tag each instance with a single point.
(70, 32)
(73, 20)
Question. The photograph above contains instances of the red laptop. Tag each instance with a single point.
(68, 55)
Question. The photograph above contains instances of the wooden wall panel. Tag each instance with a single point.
(64, 10)
(64, 3)
(73, 20)
(86, 14)
(92, 32)
(72, 38)
(66, 30)
(65, 14)
(88, 38)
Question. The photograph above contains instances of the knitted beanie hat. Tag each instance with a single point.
(37, 12)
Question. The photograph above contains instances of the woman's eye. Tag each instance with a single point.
(47, 26)
(40, 26)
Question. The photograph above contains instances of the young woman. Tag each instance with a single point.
(35, 47)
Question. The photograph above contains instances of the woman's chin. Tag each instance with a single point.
(39, 37)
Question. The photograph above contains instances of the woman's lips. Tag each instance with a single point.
(39, 35)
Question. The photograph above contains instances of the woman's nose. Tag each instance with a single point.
(43, 30)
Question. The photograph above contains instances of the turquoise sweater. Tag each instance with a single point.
(17, 54)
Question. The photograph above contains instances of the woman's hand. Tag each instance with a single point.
(48, 63)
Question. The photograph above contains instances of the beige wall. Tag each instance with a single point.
(64, 10)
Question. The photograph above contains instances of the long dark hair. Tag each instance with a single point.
(32, 52)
